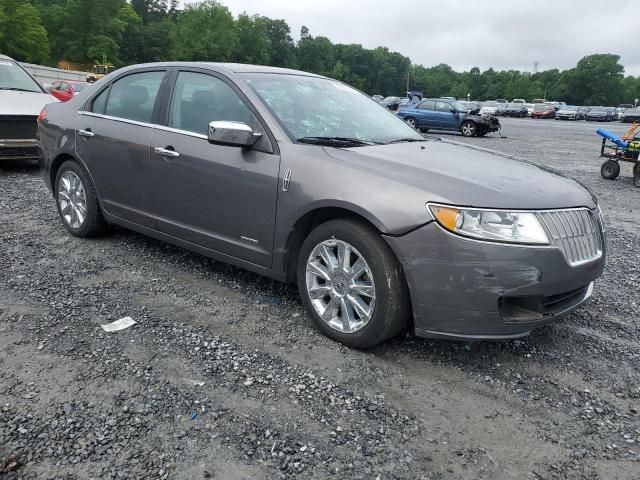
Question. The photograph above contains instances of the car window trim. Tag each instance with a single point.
(168, 99)
(88, 105)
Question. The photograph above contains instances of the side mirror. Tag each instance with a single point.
(232, 134)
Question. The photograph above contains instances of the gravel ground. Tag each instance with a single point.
(225, 377)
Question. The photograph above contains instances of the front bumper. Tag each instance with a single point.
(465, 289)
(18, 149)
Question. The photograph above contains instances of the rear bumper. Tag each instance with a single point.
(464, 289)
(18, 149)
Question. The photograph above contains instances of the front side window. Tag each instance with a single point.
(313, 107)
(134, 96)
(443, 107)
(199, 99)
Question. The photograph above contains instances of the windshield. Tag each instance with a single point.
(320, 107)
(13, 77)
(541, 107)
(489, 104)
(598, 109)
(570, 108)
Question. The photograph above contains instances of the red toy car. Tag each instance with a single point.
(64, 90)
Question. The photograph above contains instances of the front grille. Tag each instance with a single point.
(576, 232)
(18, 127)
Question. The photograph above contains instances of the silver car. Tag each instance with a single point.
(21, 101)
(306, 180)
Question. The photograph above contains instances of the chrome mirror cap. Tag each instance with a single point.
(233, 134)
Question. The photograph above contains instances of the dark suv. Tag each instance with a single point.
(304, 179)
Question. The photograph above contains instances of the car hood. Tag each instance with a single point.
(567, 112)
(455, 173)
(597, 113)
(23, 103)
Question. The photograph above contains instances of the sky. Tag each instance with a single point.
(503, 34)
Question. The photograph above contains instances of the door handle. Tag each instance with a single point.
(86, 133)
(165, 152)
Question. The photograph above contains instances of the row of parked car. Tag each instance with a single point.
(519, 108)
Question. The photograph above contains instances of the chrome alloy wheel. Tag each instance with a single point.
(340, 286)
(468, 129)
(72, 199)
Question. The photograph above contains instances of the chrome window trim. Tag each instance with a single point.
(143, 124)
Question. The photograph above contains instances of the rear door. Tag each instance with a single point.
(113, 138)
(220, 197)
(425, 112)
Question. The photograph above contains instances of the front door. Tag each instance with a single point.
(219, 197)
(113, 137)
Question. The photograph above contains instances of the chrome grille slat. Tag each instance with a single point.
(576, 233)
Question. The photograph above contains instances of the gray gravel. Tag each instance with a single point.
(225, 377)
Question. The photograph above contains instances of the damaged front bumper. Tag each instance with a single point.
(467, 289)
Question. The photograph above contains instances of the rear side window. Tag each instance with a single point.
(100, 102)
(427, 105)
(199, 99)
(134, 96)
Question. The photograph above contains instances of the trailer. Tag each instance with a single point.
(616, 150)
(48, 75)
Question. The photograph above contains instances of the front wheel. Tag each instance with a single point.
(351, 284)
(610, 170)
(468, 129)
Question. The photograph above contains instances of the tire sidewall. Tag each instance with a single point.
(87, 227)
(381, 326)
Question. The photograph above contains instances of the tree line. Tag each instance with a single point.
(124, 32)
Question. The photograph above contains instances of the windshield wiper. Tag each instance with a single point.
(339, 141)
(401, 140)
(17, 89)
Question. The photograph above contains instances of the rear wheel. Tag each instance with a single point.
(468, 129)
(610, 170)
(77, 201)
(351, 284)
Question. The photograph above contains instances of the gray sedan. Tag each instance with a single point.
(304, 179)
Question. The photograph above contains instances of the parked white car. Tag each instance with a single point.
(22, 98)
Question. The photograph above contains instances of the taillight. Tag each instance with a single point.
(43, 114)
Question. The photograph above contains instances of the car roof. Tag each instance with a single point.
(4, 57)
(230, 67)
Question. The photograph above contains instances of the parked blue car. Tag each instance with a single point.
(445, 114)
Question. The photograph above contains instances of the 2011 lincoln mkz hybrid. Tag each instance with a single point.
(302, 178)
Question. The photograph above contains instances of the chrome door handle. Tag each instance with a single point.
(166, 152)
(86, 133)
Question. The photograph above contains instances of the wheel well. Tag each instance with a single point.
(55, 166)
(303, 227)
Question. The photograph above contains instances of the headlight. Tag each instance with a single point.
(491, 225)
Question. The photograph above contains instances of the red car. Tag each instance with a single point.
(64, 90)
(540, 110)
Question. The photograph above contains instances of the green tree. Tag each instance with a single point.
(253, 43)
(598, 78)
(282, 50)
(205, 31)
(22, 35)
(315, 55)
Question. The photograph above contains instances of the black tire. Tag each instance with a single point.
(481, 132)
(468, 129)
(636, 175)
(413, 123)
(94, 223)
(610, 170)
(392, 307)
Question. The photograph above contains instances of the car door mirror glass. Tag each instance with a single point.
(233, 134)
